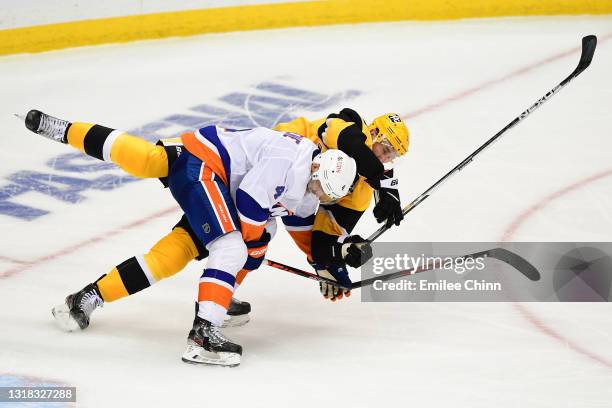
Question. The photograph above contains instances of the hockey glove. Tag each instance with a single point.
(388, 206)
(257, 251)
(354, 251)
(335, 273)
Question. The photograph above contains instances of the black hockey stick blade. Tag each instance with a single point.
(516, 261)
(588, 50)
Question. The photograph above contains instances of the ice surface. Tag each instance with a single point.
(458, 83)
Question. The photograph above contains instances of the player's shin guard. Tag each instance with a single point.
(227, 255)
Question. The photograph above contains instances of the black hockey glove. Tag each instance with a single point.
(336, 273)
(388, 206)
(354, 251)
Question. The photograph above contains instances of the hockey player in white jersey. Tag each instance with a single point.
(258, 170)
(229, 183)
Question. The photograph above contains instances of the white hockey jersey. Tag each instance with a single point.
(263, 169)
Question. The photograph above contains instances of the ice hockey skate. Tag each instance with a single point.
(237, 314)
(207, 345)
(75, 312)
(47, 126)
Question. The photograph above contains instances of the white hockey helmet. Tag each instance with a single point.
(337, 172)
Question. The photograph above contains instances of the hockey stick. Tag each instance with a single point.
(588, 49)
(501, 254)
(300, 272)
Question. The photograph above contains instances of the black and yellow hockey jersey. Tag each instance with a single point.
(345, 131)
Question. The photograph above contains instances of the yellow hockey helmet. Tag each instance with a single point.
(392, 129)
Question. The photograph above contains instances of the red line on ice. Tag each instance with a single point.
(521, 71)
(470, 91)
(522, 309)
(24, 265)
(12, 260)
(514, 226)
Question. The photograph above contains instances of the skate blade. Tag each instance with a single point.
(62, 318)
(235, 321)
(197, 355)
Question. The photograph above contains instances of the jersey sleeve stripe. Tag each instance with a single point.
(244, 218)
(295, 221)
(303, 240)
(196, 145)
(250, 209)
(210, 135)
(251, 232)
(301, 228)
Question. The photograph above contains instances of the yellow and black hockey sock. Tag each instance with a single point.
(134, 155)
(166, 258)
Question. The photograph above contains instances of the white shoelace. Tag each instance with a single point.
(52, 127)
(90, 301)
(216, 336)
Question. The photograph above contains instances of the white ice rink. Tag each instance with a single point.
(65, 221)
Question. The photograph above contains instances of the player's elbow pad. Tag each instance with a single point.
(368, 164)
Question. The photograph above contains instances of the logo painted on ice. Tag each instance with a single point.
(69, 176)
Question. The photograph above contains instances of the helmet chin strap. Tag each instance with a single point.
(324, 200)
